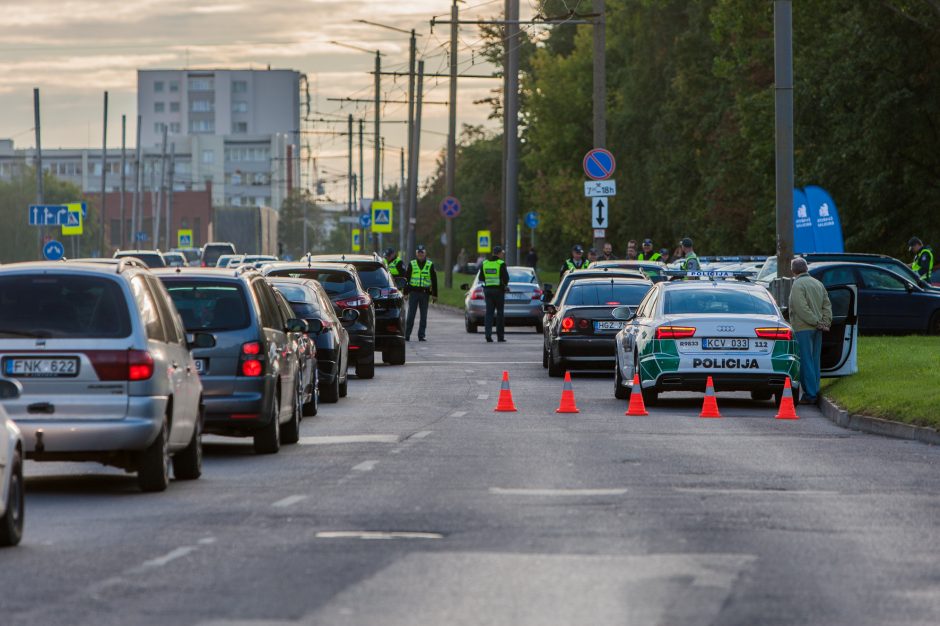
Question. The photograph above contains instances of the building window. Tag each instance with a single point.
(200, 84)
(158, 127)
(201, 106)
(236, 201)
(159, 107)
(235, 179)
(239, 127)
(259, 202)
(239, 106)
(201, 126)
(174, 107)
(158, 86)
(175, 128)
(174, 86)
(239, 86)
(208, 156)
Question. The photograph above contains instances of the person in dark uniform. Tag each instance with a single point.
(923, 258)
(396, 267)
(421, 286)
(648, 254)
(494, 277)
(575, 262)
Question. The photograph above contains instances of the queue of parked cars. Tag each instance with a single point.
(110, 361)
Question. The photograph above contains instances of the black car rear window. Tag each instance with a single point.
(212, 253)
(210, 305)
(63, 306)
(150, 260)
(611, 294)
(374, 277)
(304, 304)
(334, 282)
(711, 300)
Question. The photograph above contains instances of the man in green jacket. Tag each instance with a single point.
(810, 315)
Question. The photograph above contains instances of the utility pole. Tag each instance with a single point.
(511, 111)
(407, 238)
(377, 164)
(123, 243)
(402, 212)
(350, 194)
(600, 87)
(783, 122)
(451, 173)
(137, 211)
(159, 206)
(414, 156)
(39, 191)
(169, 197)
(104, 176)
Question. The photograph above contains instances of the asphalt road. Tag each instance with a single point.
(412, 502)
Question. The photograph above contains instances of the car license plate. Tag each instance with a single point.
(725, 343)
(200, 365)
(41, 368)
(608, 325)
(517, 296)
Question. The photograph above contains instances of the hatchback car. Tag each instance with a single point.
(12, 500)
(310, 302)
(105, 368)
(175, 259)
(211, 252)
(251, 377)
(342, 284)
(387, 301)
(152, 258)
(523, 305)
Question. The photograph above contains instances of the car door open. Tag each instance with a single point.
(840, 342)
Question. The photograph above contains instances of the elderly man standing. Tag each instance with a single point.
(810, 315)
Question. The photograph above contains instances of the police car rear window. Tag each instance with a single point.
(601, 294)
(739, 302)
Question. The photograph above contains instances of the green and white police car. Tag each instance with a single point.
(687, 330)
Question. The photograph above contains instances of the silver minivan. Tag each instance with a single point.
(105, 369)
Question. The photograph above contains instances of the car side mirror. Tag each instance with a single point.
(295, 325)
(465, 287)
(349, 315)
(201, 340)
(549, 308)
(624, 313)
(314, 326)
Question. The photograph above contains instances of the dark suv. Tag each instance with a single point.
(252, 380)
(213, 250)
(345, 289)
(388, 300)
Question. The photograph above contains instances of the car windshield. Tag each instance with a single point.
(768, 270)
(209, 305)
(606, 294)
(333, 282)
(62, 306)
(522, 276)
(720, 301)
(150, 260)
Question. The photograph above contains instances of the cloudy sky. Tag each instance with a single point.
(74, 50)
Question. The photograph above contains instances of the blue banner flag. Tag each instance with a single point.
(827, 229)
(804, 240)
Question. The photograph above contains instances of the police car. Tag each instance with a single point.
(705, 325)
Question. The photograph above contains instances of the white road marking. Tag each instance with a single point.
(207, 541)
(422, 434)
(289, 501)
(752, 492)
(470, 371)
(375, 534)
(169, 557)
(338, 439)
(365, 466)
(483, 396)
(482, 382)
(458, 413)
(500, 491)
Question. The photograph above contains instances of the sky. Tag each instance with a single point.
(74, 50)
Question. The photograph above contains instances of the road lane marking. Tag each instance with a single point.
(365, 466)
(483, 396)
(458, 413)
(339, 439)
(289, 501)
(421, 434)
(206, 541)
(169, 557)
(750, 492)
(482, 382)
(375, 534)
(500, 491)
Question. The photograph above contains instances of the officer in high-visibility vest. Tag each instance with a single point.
(494, 277)
(923, 258)
(690, 262)
(421, 286)
(575, 262)
(395, 267)
(648, 254)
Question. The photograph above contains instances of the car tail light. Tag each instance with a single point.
(357, 302)
(130, 365)
(251, 367)
(251, 348)
(477, 294)
(583, 324)
(252, 359)
(244, 416)
(392, 327)
(674, 332)
(779, 333)
(139, 365)
(537, 294)
(567, 324)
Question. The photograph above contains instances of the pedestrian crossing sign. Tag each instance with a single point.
(184, 238)
(484, 242)
(356, 240)
(74, 224)
(381, 217)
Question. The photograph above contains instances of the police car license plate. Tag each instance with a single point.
(517, 296)
(725, 343)
(200, 365)
(41, 368)
(608, 325)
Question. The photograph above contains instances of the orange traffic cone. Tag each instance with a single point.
(710, 405)
(505, 402)
(787, 410)
(637, 407)
(567, 404)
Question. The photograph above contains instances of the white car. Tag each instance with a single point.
(11, 473)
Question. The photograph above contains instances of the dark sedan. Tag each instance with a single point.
(887, 302)
(583, 330)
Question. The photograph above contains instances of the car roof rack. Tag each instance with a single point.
(126, 262)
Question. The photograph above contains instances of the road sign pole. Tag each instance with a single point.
(600, 84)
(451, 151)
(39, 192)
(783, 121)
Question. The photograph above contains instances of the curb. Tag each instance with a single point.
(876, 425)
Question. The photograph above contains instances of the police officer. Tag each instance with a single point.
(648, 254)
(575, 262)
(421, 286)
(923, 258)
(690, 262)
(495, 279)
(592, 257)
(395, 267)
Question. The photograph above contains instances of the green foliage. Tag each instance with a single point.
(291, 225)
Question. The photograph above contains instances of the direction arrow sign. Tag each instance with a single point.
(599, 213)
(600, 188)
(365, 219)
(53, 250)
(531, 219)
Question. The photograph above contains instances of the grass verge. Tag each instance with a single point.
(898, 379)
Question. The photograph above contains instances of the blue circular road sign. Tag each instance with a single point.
(365, 219)
(53, 250)
(531, 219)
(599, 164)
(450, 207)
